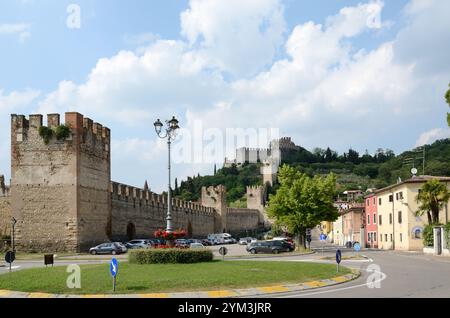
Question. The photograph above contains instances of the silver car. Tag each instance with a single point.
(140, 243)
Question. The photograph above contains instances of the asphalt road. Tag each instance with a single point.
(390, 274)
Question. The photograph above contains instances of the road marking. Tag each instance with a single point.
(154, 295)
(315, 284)
(5, 293)
(39, 295)
(340, 279)
(94, 296)
(384, 276)
(221, 293)
(274, 289)
(6, 268)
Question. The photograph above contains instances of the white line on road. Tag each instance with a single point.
(383, 277)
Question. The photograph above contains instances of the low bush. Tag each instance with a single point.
(428, 236)
(447, 233)
(172, 255)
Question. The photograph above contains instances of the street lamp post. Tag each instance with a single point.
(13, 221)
(170, 134)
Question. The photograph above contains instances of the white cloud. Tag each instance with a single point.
(326, 91)
(431, 136)
(239, 37)
(14, 102)
(21, 30)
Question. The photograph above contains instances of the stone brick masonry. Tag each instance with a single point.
(63, 199)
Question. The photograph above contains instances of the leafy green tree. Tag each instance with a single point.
(447, 98)
(431, 198)
(302, 202)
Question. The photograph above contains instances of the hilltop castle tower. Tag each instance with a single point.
(216, 197)
(60, 190)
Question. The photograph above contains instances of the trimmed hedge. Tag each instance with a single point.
(169, 256)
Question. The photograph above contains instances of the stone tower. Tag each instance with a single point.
(256, 200)
(216, 197)
(60, 189)
(269, 171)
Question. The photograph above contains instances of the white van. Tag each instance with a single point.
(219, 238)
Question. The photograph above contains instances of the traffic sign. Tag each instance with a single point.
(357, 247)
(223, 251)
(338, 259)
(10, 257)
(338, 256)
(114, 267)
(323, 237)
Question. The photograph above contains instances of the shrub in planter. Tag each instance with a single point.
(169, 256)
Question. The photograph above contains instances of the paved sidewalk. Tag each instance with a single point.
(228, 293)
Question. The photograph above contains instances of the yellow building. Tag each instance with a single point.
(398, 226)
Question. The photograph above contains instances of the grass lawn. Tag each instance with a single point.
(133, 278)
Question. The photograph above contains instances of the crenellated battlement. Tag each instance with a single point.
(83, 130)
(121, 191)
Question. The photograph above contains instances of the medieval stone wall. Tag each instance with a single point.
(60, 189)
(63, 199)
(5, 208)
(43, 190)
(242, 219)
(94, 175)
(137, 213)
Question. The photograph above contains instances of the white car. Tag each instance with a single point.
(247, 240)
(195, 246)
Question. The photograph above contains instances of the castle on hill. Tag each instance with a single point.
(270, 157)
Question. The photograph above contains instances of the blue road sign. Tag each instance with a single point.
(113, 267)
(338, 256)
(357, 247)
(323, 237)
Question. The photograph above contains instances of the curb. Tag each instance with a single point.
(226, 293)
(257, 256)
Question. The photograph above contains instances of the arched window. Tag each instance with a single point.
(417, 233)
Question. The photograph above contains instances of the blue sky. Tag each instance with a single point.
(61, 53)
(313, 69)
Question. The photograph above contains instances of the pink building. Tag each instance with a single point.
(371, 220)
(353, 222)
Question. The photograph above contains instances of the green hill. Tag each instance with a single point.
(354, 171)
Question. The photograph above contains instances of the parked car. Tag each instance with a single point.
(286, 240)
(182, 243)
(130, 246)
(247, 240)
(219, 238)
(197, 246)
(106, 248)
(269, 247)
(190, 241)
(207, 242)
(122, 246)
(229, 240)
(140, 243)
